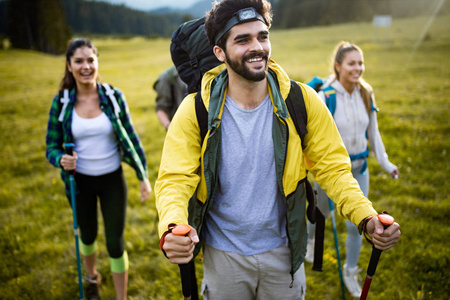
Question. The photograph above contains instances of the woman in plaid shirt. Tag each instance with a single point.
(96, 119)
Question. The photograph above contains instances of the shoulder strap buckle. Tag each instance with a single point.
(110, 93)
(65, 101)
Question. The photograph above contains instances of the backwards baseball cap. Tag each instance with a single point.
(241, 16)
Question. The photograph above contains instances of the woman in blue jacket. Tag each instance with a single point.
(355, 116)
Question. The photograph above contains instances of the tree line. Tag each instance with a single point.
(97, 17)
(47, 25)
(304, 13)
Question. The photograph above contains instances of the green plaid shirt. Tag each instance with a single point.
(59, 133)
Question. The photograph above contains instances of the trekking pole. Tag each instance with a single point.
(333, 220)
(318, 244)
(386, 220)
(69, 150)
(187, 271)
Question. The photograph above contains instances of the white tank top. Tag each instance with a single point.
(96, 145)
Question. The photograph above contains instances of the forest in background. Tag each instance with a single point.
(98, 17)
(91, 17)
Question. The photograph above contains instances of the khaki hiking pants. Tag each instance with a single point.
(228, 275)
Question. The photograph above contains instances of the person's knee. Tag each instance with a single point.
(115, 246)
(88, 237)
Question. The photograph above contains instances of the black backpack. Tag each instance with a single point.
(191, 53)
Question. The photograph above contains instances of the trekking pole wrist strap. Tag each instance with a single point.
(163, 237)
(364, 224)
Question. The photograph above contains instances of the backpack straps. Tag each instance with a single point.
(297, 109)
(319, 238)
(296, 106)
(316, 83)
(64, 100)
(295, 103)
(109, 91)
(202, 115)
(330, 98)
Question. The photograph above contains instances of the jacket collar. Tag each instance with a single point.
(214, 84)
(102, 96)
(340, 88)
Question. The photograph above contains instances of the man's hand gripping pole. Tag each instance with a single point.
(187, 271)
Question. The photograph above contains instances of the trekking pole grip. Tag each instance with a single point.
(69, 148)
(386, 220)
(187, 271)
(69, 151)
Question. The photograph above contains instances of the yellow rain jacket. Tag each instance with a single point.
(188, 174)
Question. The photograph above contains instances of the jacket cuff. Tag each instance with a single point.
(362, 224)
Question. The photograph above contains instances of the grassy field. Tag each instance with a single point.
(412, 89)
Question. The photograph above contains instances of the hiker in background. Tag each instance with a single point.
(355, 115)
(84, 113)
(247, 178)
(170, 91)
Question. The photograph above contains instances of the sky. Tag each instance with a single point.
(153, 4)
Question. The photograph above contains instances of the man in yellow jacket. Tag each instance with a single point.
(242, 189)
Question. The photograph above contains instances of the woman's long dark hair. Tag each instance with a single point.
(68, 81)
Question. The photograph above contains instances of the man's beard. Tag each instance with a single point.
(242, 69)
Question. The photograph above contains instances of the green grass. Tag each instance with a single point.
(36, 236)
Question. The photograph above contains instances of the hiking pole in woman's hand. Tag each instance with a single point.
(69, 150)
(187, 271)
(386, 220)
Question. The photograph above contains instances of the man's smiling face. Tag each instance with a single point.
(248, 50)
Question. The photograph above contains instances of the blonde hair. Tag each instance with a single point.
(338, 56)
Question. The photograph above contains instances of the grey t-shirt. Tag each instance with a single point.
(248, 213)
